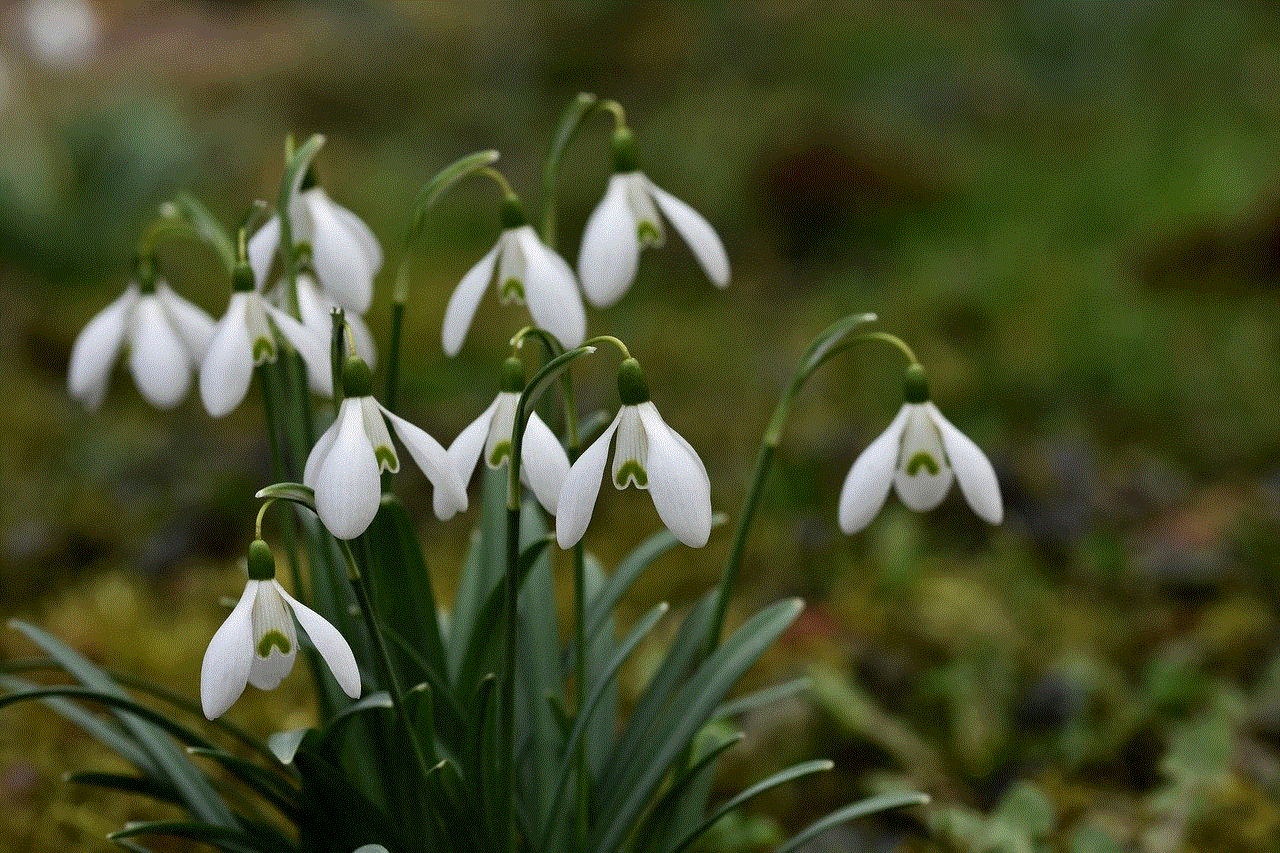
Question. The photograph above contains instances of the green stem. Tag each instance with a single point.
(387, 673)
(393, 355)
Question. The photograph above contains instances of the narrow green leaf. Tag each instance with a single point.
(112, 700)
(691, 707)
(869, 806)
(380, 700)
(128, 784)
(656, 827)
(441, 183)
(779, 778)
(548, 373)
(760, 698)
(579, 108)
(224, 838)
(270, 786)
(638, 632)
(295, 170)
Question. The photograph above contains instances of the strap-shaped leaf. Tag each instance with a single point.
(760, 698)
(224, 838)
(128, 784)
(192, 211)
(570, 120)
(690, 708)
(270, 786)
(657, 823)
(862, 808)
(828, 340)
(172, 763)
(440, 184)
(779, 778)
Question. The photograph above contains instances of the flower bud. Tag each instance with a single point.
(513, 375)
(512, 213)
(242, 278)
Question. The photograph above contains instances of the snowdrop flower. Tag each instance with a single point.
(919, 454)
(650, 455)
(167, 336)
(543, 462)
(244, 338)
(257, 644)
(627, 220)
(344, 251)
(527, 273)
(345, 465)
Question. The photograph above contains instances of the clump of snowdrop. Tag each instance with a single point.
(919, 454)
(524, 271)
(543, 461)
(649, 455)
(167, 337)
(344, 467)
(258, 644)
(626, 220)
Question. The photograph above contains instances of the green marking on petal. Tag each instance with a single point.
(922, 460)
(386, 458)
(648, 234)
(501, 453)
(264, 350)
(273, 638)
(511, 290)
(631, 472)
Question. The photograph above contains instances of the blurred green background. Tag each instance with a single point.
(1071, 211)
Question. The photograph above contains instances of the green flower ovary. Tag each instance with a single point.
(273, 638)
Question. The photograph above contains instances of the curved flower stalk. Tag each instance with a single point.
(627, 220)
(344, 251)
(257, 644)
(543, 462)
(167, 337)
(919, 454)
(345, 466)
(650, 455)
(244, 338)
(528, 272)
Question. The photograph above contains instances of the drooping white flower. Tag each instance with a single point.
(344, 467)
(244, 338)
(167, 337)
(257, 644)
(627, 219)
(919, 454)
(345, 253)
(648, 454)
(543, 462)
(528, 273)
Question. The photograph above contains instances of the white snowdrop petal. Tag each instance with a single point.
(262, 248)
(698, 233)
(581, 487)
(972, 469)
(340, 261)
(649, 229)
(450, 497)
(543, 462)
(313, 308)
(347, 484)
(511, 269)
(497, 446)
(158, 357)
(923, 476)
(465, 451)
(191, 322)
(329, 642)
(317, 455)
(677, 481)
(362, 233)
(275, 641)
(225, 669)
(314, 351)
(631, 451)
(871, 475)
(610, 247)
(461, 309)
(227, 368)
(551, 291)
(96, 349)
